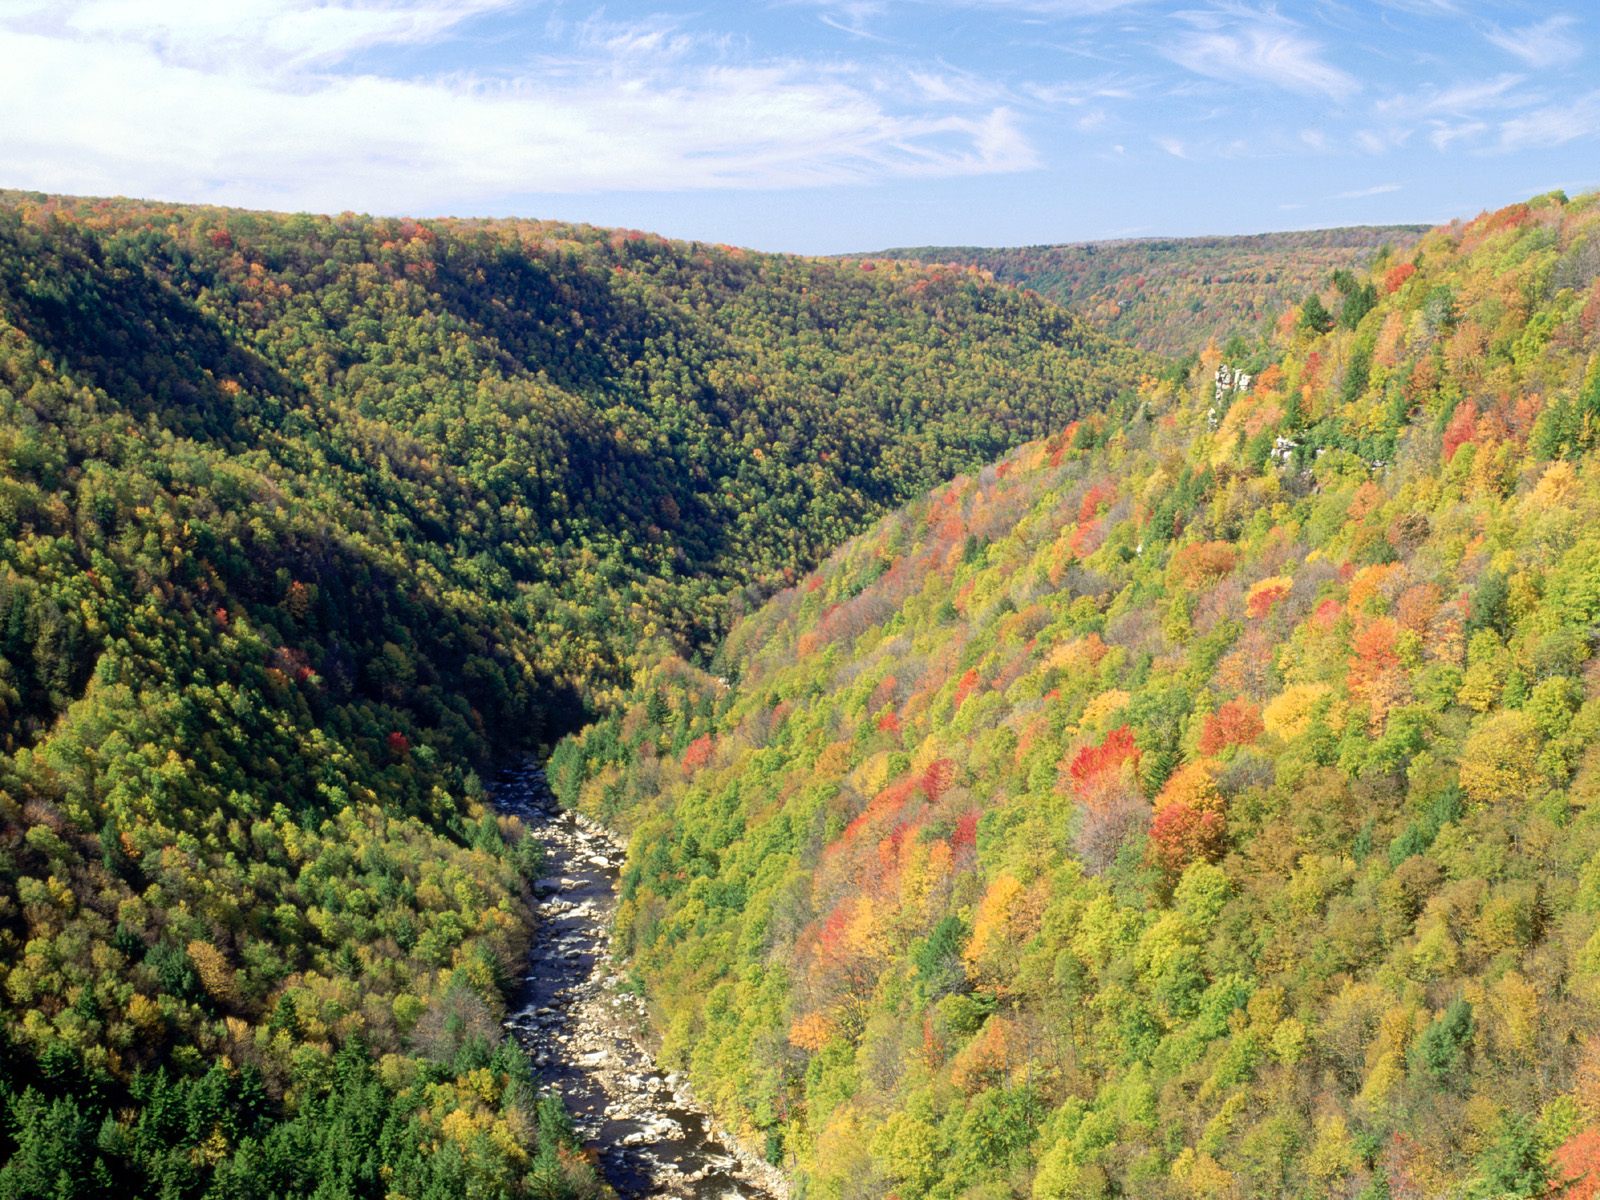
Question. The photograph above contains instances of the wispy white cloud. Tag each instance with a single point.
(853, 16)
(1381, 141)
(1501, 114)
(1427, 8)
(1444, 135)
(656, 38)
(1223, 143)
(1450, 115)
(131, 98)
(1074, 92)
(954, 87)
(286, 33)
(1548, 43)
(1553, 125)
(1261, 48)
(1053, 8)
(1379, 189)
(1455, 99)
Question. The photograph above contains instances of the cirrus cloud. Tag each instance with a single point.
(1261, 48)
(260, 106)
(1545, 44)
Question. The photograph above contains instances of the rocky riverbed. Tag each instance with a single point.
(585, 1034)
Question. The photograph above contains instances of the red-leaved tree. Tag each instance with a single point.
(1577, 1162)
(1180, 835)
(1396, 277)
(1093, 767)
(1104, 778)
(1236, 723)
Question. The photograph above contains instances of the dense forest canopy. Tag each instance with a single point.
(1172, 295)
(1203, 801)
(301, 520)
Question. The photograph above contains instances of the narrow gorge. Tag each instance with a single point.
(585, 1032)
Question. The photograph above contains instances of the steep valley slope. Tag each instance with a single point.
(1201, 801)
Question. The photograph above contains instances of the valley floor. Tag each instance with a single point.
(584, 1034)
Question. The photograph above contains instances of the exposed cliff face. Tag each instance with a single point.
(1197, 802)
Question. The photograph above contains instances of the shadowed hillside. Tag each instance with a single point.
(302, 521)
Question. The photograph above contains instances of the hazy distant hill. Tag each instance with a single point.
(1171, 294)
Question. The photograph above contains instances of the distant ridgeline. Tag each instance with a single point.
(1201, 802)
(1170, 295)
(299, 518)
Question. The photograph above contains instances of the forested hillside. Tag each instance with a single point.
(1172, 295)
(1203, 801)
(302, 520)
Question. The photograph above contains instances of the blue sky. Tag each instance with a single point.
(812, 125)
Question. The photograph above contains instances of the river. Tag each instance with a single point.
(585, 1034)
